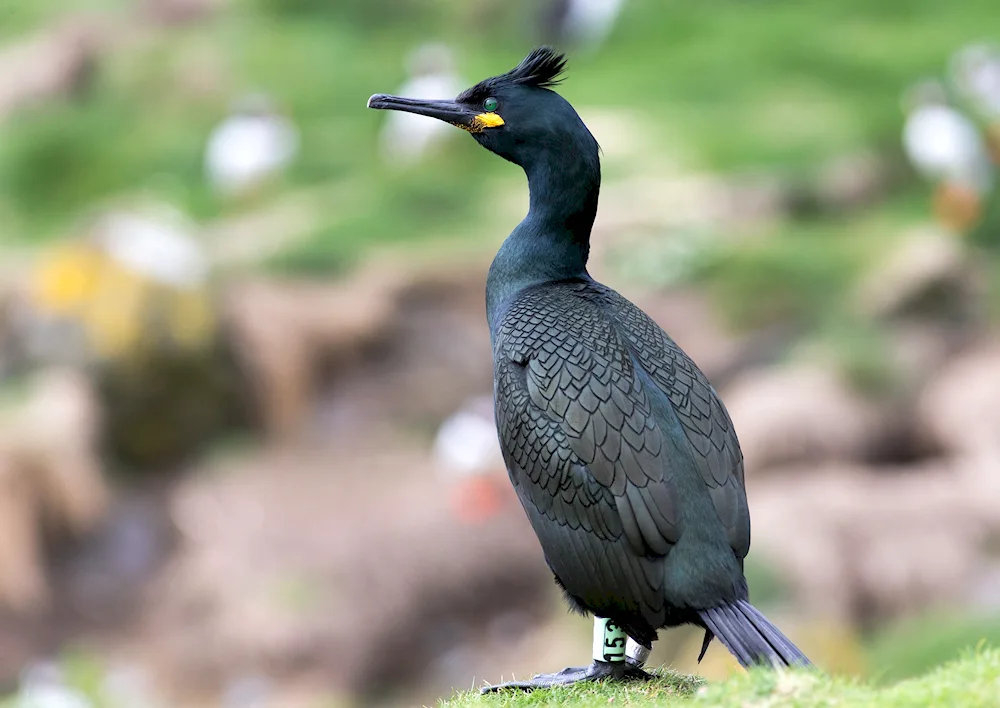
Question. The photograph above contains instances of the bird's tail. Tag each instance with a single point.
(749, 636)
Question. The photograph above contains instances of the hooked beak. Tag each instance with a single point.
(447, 111)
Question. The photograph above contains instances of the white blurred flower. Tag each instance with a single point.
(407, 138)
(589, 22)
(161, 249)
(975, 72)
(42, 687)
(250, 146)
(942, 143)
(466, 443)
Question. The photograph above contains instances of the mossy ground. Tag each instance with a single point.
(970, 682)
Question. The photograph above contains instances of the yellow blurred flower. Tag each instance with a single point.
(119, 308)
(66, 280)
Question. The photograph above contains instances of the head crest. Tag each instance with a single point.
(542, 68)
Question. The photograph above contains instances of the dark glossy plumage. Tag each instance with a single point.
(608, 430)
(622, 454)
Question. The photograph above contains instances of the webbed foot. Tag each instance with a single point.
(598, 671)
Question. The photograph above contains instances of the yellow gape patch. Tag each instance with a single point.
(482, 122)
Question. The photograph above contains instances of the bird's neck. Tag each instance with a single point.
(553, 241)
(564, 183)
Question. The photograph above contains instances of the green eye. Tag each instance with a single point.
(490, 104)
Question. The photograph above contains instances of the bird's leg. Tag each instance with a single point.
(635, 653)
(611, 661)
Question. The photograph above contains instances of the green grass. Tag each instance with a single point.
(774, 81)
(664, 690)
(915, 646)
(970, 682)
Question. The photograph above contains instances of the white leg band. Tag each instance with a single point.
(609, 641)
(636, 652)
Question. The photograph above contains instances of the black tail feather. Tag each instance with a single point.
(770, 632)
(766, 649)
(749, 636)
(704, 644)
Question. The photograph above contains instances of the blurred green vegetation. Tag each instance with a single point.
(721, 85)
(735, 83)
(912, 647)
(17, 18)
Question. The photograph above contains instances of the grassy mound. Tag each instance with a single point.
(969, 682)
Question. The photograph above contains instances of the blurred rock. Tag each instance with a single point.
(387, 344)
(852, 181)
(51, 481)
(863, 544)
(285, 331)
(960, 407)
(797, 413)
(164, 406)
(689, 317)
(926, 275)
(99, 578)
(435, 353)
(918, 349)
(57, 437)
(22, 580)
(307, 570)
(57, 62)
(129, 685)
(11, 344)
(247, 692)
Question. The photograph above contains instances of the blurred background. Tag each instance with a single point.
(247, 456)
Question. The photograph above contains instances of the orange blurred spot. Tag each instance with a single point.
(957, 207)
(479, 498)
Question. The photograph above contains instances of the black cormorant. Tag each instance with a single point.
(621, 452)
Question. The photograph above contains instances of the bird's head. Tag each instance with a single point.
(517, 115)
